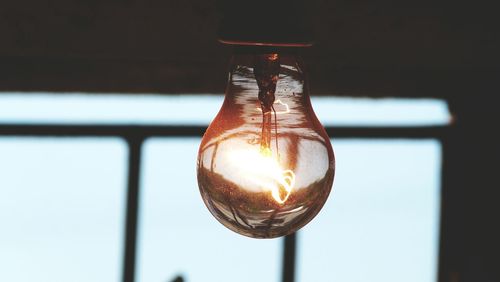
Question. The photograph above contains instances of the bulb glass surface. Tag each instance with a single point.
(265, 164)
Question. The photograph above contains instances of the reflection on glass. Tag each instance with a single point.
(265, 164)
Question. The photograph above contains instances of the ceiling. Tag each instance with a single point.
(363, 48)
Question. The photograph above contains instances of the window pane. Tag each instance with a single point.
(380, 223)
(346, 111)
(179, 236)
(61, 209)
(201, 109)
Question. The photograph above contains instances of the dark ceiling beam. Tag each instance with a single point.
(368, 48)
(154, 76)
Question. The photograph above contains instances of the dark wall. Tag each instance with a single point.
(368, 48)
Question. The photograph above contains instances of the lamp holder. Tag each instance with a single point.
(279, 23)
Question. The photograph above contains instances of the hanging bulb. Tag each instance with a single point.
(265, 164)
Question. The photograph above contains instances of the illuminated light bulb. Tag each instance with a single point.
(265, 164)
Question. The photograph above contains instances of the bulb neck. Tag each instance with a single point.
(266, 82)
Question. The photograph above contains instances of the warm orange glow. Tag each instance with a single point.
(265, 165)
(263, 170)
(272, 57)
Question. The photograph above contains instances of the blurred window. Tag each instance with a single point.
(62, 200)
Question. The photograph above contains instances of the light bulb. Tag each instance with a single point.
(265, 164)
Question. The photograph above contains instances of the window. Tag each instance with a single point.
(63, 199)
(62, 204)
(382, 219)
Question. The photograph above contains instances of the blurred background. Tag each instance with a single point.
(102, 108)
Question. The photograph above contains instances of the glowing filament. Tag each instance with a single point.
(281, 109)
(262, 170)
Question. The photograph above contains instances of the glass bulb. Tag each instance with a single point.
(265, 164)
